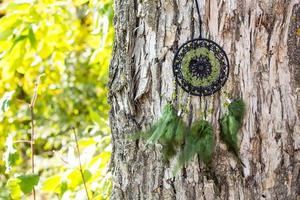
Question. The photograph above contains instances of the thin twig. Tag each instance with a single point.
(61, 157)
(80, 165)
(32, 145)
(32, 139)
(22, 141)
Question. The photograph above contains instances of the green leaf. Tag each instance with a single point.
(31, 37)
(63, 188)
(12, 158)
(19, 6)
(5, 101)
(85, 142)
(80, 2)
(55, 184)
(8, 69)
(27, 182)
(14, 188)
(17, 40)
(75, 178)
(52, 184)
(5, 34)
(105, 187)
(87, 175)
(9, 22)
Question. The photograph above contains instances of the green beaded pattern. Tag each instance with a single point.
(194, 80)
(200, 67)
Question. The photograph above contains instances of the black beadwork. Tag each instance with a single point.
(200, 67)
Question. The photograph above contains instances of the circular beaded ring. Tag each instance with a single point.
(201, 67)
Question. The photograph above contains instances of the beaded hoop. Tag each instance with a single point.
(201, 66)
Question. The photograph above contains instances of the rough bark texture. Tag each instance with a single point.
(261, 38)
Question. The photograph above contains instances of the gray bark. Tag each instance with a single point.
(261, 40)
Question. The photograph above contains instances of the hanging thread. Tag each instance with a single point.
(199, 18)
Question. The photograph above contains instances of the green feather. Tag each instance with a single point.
(171, 128)
(205, 141)
(169, 131)
(230, 126)
(237, 109)
(229, 132)
(189, 151)
(173, 137)
(206, 148)
(180, 132)
(200, 141)
(162, 124)
(169, 150)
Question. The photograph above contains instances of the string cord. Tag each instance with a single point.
(199, 18)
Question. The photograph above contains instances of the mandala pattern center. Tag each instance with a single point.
(200, 67)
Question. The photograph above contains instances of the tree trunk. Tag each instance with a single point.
(262, 40)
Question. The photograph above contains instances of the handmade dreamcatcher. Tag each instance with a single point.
(201, 68)
(200, 65)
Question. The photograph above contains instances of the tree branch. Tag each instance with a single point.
(31, 107)
(80, 165)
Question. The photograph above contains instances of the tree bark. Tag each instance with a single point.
(261, 38)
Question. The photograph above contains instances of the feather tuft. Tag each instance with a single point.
(169, 131)
(230, 124)
(237, 109)
(200, 141)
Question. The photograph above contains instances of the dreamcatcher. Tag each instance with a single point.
(200, 65)
(201, 68)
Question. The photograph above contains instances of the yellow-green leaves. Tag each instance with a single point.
(9, 22)
(42, 27)
(22, 184)
(70, 43)
(52, 184)
(55, 184)
(27, 182)
(14, 188)
(80, 2)
(94, 169)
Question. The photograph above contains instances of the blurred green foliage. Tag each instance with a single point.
(68, 45)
